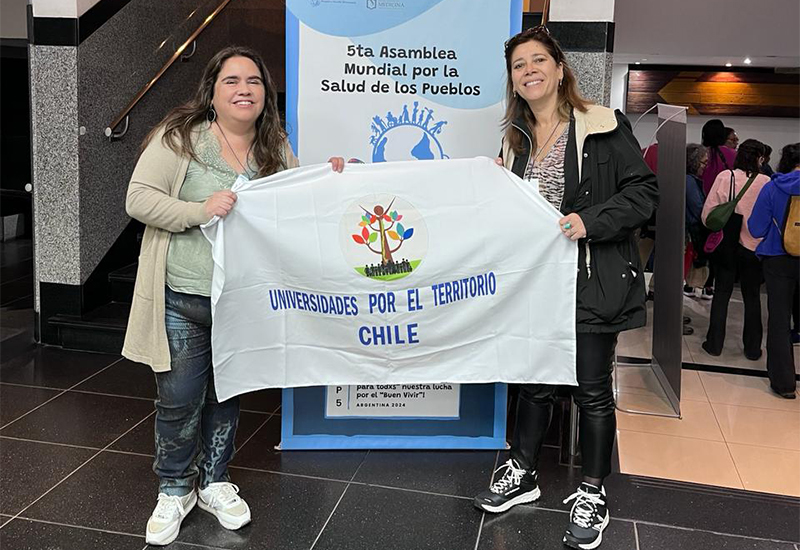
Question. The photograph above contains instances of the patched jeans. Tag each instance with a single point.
(194, 432)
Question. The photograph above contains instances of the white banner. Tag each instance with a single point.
(396, 273)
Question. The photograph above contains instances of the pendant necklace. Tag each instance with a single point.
(247, 155)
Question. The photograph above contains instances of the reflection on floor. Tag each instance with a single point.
(734, 432)
(76, 444)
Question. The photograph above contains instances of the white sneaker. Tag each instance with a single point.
(165, 522)
(222, 500)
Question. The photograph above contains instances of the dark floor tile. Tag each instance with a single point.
(530, 527)
(141, 438)
(261, 401)
(16, 401)
(53, 367)
(22, 534)
(81, 419)
(288, 513)
(4, 520)
(28, 470)
(692, 506)
(260, 453)
(459, 473)
(116, 492)
(653, 537)
(123, 378)
(390, 519)
(14, 290)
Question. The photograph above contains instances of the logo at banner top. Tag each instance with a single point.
(412, 134)
(372, 4)
(383, 237)
(316, 3)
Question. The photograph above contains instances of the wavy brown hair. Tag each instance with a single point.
(517, 108)
(270, 137)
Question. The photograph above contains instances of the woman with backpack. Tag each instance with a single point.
(736, 253)
(776, 218)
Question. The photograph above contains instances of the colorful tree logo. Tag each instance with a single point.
(385, 238)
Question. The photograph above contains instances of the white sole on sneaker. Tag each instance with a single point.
(168, 536)
(522, 499)
(596, 542)
(226, 523)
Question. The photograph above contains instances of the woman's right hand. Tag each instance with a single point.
(220, 203)
(499, 162)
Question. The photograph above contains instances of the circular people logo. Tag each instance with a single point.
(410, 135)
(383, 237)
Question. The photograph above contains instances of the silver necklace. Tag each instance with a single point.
(247, 155)
(546, 142)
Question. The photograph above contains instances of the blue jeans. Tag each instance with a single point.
(194, 432)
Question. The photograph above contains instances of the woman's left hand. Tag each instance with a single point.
(572, 226)
(337, 163)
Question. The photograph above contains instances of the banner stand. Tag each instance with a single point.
(666, 360)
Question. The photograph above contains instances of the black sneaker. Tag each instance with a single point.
(588, 517)
(515, 486)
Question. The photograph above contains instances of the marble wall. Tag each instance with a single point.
(54, 137)
(593, 71)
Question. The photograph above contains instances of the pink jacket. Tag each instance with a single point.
(719, 194)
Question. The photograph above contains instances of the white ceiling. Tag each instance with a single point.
(708, 32)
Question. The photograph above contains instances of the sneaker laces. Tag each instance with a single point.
(167, 507)
(223, 493)
(585, 507)
(512, 476)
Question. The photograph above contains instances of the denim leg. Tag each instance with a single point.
(220, 421)
(182, 392)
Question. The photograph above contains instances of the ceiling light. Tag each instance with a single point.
(747, 61)
(729, 64)
(643, 59)
(638, 63)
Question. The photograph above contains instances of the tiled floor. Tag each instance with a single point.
(639, 342)
(734, 432)
(75, 473)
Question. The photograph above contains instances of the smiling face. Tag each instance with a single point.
(239, 91)
(534, 72)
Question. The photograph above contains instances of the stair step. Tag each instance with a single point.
(101, 330)
(125, 274)
(122, 282)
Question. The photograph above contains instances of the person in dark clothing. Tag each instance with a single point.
(696, 161)
(781, 270)
(588, 165)
(736, 254)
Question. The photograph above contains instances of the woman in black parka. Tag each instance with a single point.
(589, 166)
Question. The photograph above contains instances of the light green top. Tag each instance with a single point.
(189, 263)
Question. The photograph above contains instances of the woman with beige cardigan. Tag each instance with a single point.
(183, 178)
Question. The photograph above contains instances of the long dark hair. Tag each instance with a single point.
(748, 156)
(517, 108)
(790, 158)
(714, 135)
(181, 121)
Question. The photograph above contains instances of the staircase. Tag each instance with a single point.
(102, 329)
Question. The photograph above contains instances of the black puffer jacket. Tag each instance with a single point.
(608, 184)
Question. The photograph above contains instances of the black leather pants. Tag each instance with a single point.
(595, 398)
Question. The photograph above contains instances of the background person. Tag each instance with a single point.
(588, 165)
(183, 178)
(696, 160)
(736, 254)
(781, 271)
(731, 138)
